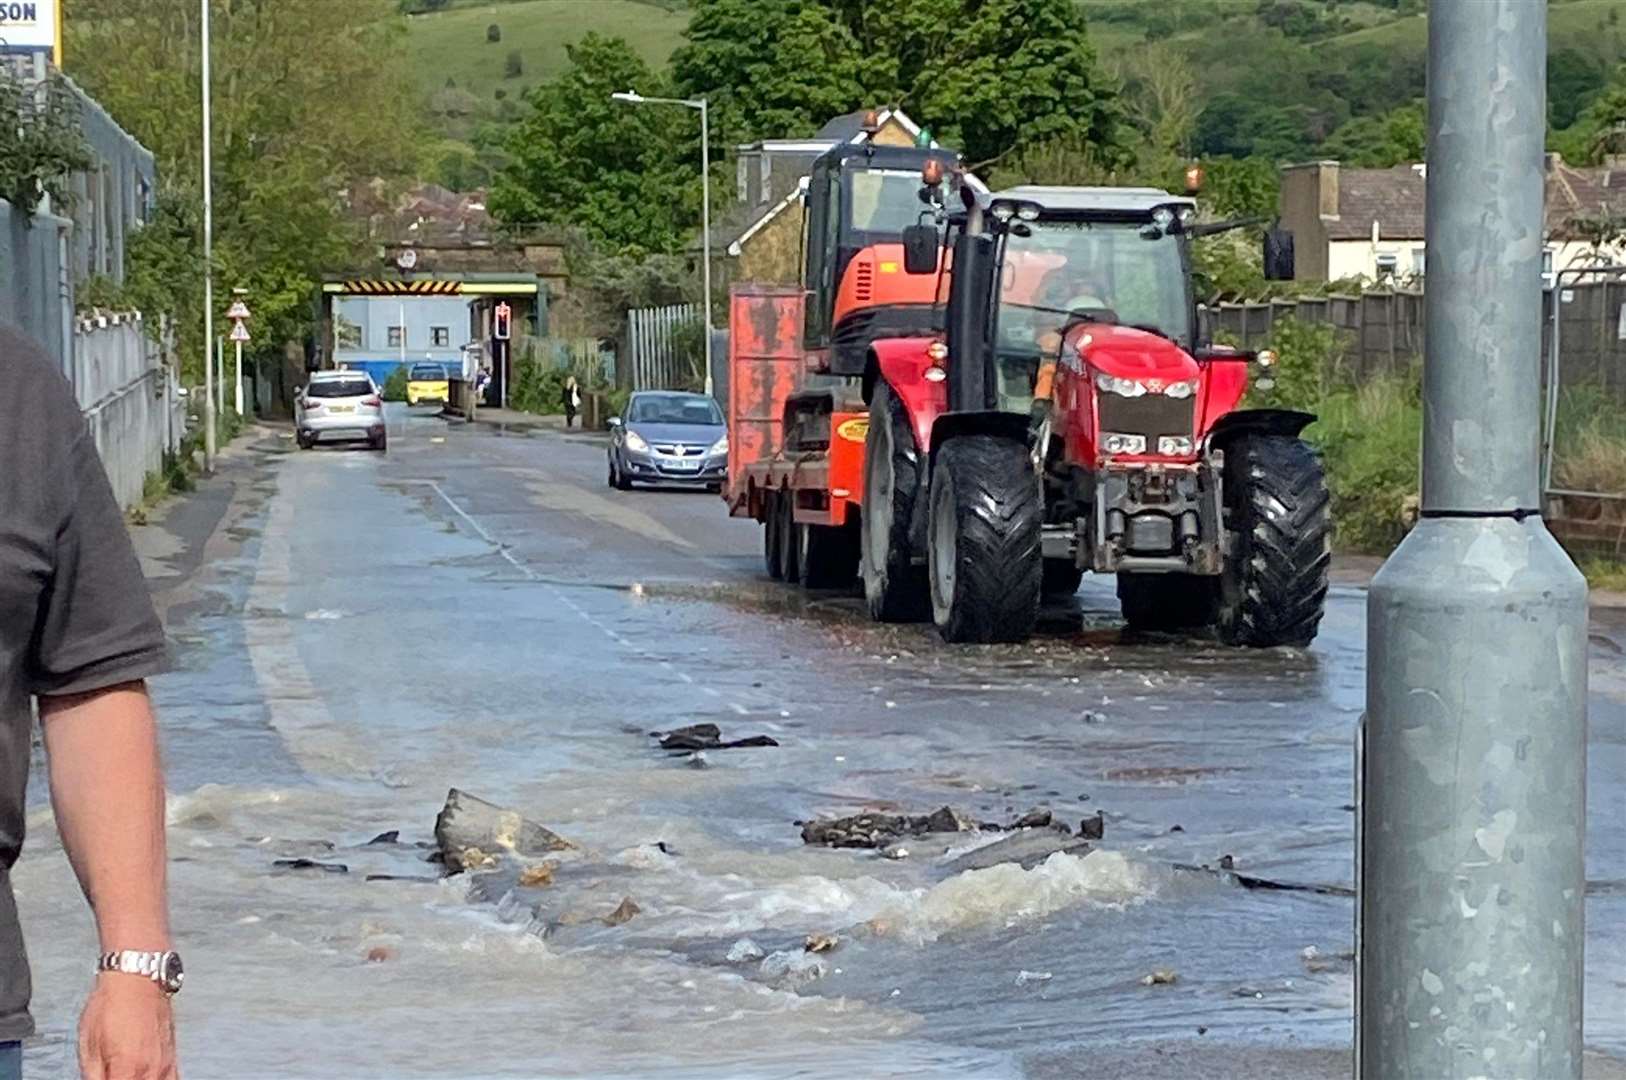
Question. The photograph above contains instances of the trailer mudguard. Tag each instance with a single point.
(902, 363)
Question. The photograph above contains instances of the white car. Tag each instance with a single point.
(339, 406)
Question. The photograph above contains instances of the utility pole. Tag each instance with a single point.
(1473, 773)
(208, 262)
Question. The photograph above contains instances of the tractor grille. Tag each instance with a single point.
(1150, 415)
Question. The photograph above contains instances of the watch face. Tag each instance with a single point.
(173, 973)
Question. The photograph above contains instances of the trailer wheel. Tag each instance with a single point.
(1274, 586)
(1167, 602)
(986, 557)
(1061, 578)
(829, 556)
(790, 540)
(770, 536)
(894, 587)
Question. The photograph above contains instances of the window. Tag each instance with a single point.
(764, 177)
(440, 336)
(675, 409)
(742, 180)
(1417, 261)
(427, 373)
(339, 388)
(397, 338)
(1387, 262)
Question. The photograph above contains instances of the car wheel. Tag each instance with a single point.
(622, 481)
(305, 442)
(381, 444)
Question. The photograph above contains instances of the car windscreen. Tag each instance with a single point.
(332, 388)
(675, 409)
(427, 373)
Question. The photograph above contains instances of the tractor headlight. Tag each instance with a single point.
(1113, 384)
(719, 447)
(635, 442)
(1115, 443)
(1174, 445)
(1163, 217)
(1181, 390)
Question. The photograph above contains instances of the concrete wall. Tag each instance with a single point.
(1309, 195)
(130, 402)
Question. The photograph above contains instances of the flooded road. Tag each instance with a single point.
(356, 634)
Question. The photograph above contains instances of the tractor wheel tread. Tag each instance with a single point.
(1284, 546)
(895, 589)
(999, 514)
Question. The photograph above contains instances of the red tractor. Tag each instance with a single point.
(1066, 415)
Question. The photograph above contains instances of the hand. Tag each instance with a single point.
(127, 1031)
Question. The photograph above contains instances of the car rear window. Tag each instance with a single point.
(330, 388)
(427, 373)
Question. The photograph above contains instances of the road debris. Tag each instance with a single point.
(1024, 977)
(1026, 848)
(311, 864)
(1093, 827)
(470, 826)
(706, 737)
(876, 830)
(624, 912)
(790, 968)
(1160, 977)
(538, 875)
(391, 837)
(820, 943)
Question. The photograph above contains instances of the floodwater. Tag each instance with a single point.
(355, 635)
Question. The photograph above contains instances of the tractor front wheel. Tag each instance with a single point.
(894, 587)
(986, 558)
(1274, 586)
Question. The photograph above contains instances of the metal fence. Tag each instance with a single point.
(579, 355)
(36, 287)
(130, 401)
(655, 356)
(1382, 331)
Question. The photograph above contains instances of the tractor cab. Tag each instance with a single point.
(860, 198)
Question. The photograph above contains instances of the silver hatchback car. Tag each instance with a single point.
(339, 406)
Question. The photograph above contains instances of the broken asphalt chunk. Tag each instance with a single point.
(876, 830)
(470, 830)
(706, 737)
(311, 864)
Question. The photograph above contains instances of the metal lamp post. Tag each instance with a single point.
(632, 97)
(208, 263)
(1473, 771)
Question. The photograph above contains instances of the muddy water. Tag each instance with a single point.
(379, 632)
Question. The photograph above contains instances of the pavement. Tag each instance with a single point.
(355, 633)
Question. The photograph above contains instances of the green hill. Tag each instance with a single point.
(452, 44)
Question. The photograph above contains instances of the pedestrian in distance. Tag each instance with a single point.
(78, 639)
(572, 401)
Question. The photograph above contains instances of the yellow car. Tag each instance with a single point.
(426, 382)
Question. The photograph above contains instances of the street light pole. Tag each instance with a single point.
(208, 262)
(632, 97)
(1473, 764)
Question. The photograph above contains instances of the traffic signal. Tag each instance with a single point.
(503, 326)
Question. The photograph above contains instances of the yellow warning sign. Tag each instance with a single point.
(854, 430)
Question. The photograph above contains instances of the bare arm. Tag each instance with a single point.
(108, 792)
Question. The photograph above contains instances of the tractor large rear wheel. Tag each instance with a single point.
(894, 587)
(986, 555)
(1274, 588)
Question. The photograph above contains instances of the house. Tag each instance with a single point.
(760, 234)
(1368, 223)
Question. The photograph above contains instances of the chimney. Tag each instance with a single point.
(1326, 173)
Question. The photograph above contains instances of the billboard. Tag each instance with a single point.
(30, 25)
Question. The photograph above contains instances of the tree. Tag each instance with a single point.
(624, 174)
(1600, 131)
(1243, 125)
(1392, 138)
(297, 124)
(41, 144)
(1573, 80)
(985, 76)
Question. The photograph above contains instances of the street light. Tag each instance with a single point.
(632, 97)
(208, 263)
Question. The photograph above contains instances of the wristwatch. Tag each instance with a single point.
(163, 968)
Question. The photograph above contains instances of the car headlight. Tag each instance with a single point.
(1174, 444)
(719, 447)
(1181, 390)
(636, 442)
(1112, 384)
(1114, 443)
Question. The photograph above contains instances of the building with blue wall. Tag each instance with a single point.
(374, 333)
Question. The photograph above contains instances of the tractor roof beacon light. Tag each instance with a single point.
(924, 139)
(1194, 178)
(931, 172)
(872, 121)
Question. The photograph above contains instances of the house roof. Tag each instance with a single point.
(1395, 197)
(849, 127)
